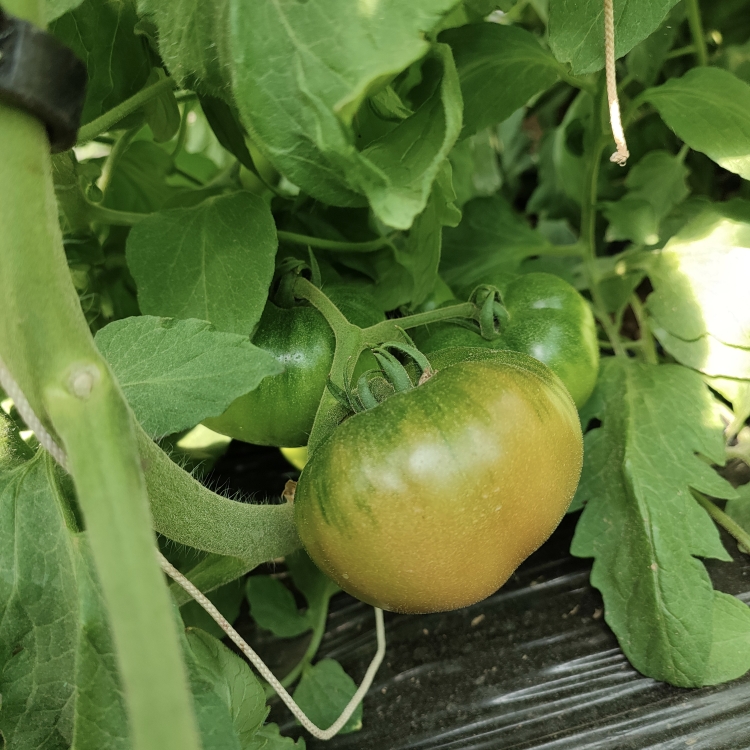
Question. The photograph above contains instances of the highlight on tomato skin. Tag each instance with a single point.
(429, 501)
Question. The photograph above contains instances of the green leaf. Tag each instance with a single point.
(162, 113)
(233, 681)
(53, 9)
(224, 122)
(315, 585)
(699, 277)
(576, 29)
(707, 354)
(707, 108)
(13, 450)
(212, 262)
(646, 59)
(101, 33)
(139, 183)
(631, 219)
(323, 693)
(268, 738)
(193, 42)
(406, 272)
(730, 650)
(100, 717)
(475, 167)
(699, 304)
(38, 609)
(641, 523)
(273, 607)
(175, 373)
(265, 48)
(500, 68)
(499, 239)
(656, 184)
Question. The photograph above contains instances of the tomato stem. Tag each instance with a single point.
(597, 142)
(647, 339)
(109, 119)
(391, 329)
(696, 30)
(334, 245)
(726, 522)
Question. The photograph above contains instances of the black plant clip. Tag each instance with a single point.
(42, 76)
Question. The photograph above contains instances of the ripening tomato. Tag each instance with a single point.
(431, 499)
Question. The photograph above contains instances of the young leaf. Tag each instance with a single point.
(323, 693)
(499, 239)
(38, 609)
(500, 68)
(175, 373)
(576, 29)
(101, 33)
(273, 607)
(212, 262)
(641, 523)
(232, 680)
(707, 108)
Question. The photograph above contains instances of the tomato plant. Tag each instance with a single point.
(471, 470)
(253, 184)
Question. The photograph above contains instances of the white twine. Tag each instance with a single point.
(13, 390)
(621, 155)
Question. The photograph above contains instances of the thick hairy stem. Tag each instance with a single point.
(187, 512)
(47, 347)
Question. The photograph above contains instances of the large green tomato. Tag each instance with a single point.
(281, 410)
(431, 499)
(548, 320)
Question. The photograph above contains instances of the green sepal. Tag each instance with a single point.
(493, 316)
(344, 397)
(366, 396)
(394, 370)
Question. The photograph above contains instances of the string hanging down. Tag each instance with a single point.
(9, 385)
(621, 155)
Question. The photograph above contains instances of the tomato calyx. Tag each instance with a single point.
(376, 385)
(493, 315)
